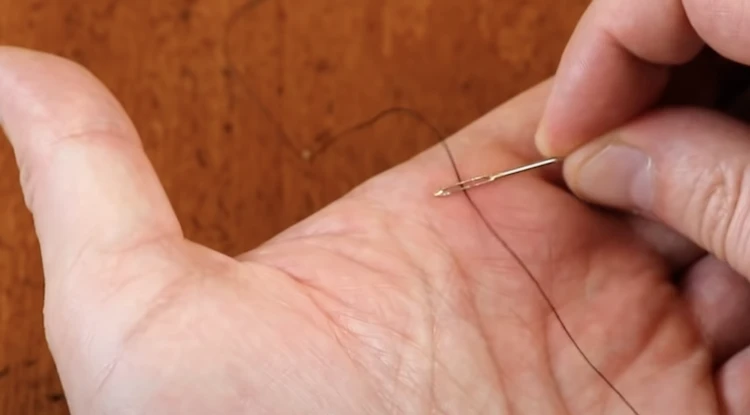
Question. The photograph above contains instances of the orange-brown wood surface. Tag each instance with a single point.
(255, 113)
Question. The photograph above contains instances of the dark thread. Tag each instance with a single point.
(328, 141)
(56, 397)
(536, 282)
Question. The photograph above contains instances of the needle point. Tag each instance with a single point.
(483, 180)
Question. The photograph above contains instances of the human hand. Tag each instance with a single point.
(682, 167)
(387, 301)
(622, 56)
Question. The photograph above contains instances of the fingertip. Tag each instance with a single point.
(551, 138)
(542, 141)
(733, 382)
(83, 170)
(719, 298)
(19, 64)
(553, 142)
(52, 95)
(615, 66)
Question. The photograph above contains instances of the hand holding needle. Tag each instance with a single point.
(482, 180)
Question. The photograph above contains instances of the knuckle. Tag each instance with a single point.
(78, 142)
(719, 204)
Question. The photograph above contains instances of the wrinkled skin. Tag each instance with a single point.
(388, 301)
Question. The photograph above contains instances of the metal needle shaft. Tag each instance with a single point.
(482, 180)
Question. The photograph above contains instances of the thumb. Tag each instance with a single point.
(687, 168)
(84, 174)
(94, 197)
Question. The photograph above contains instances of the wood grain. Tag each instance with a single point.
(242, 105)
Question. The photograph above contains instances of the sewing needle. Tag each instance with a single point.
(482, 180)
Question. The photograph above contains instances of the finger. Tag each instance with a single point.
(617, 62)
(685, 168)
(85, 177)
(510, 126)
(615, 65)
(678, 251)
(719, 299)
(733, 381)
(723, 24)
(503, 138)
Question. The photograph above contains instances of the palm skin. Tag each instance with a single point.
(391, 301)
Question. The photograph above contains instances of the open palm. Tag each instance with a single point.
(389, 301)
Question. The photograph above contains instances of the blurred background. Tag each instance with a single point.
(256, 113)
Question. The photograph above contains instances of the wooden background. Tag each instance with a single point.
(246, 109)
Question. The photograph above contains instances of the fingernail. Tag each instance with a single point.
(618, 176)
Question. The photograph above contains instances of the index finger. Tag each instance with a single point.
(617, 64)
